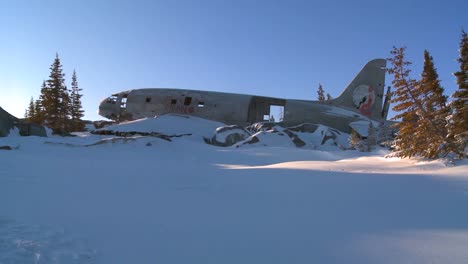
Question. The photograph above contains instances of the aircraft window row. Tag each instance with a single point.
(188, 100)
(112, 99)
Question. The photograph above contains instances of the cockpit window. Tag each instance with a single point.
(123, 103)
(112, 99)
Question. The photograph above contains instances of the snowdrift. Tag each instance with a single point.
(137, 199)
(166, 125)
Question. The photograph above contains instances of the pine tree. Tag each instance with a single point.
(76, 109)
(321, 93)
(46, 102)
(432, 118)
(421, 130)
(31, 111)
(56, 99)
(458, 127)
(39, 111)
(329, 97)
(406, 101)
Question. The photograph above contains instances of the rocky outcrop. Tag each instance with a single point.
(302, 136)
(101, 123)
(261, 126)
(6, 148)
(295, 139)
(136, 133)
(227, 136)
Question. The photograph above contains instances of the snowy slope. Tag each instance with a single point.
(70, 200)
(169, 125)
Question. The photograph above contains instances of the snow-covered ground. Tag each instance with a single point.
(104, 199)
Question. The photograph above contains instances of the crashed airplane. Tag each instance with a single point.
(362, 100)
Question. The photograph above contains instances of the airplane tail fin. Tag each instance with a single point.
(365, 93)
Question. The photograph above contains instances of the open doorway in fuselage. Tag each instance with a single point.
(276, 113)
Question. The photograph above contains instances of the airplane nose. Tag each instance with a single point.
(107, 109)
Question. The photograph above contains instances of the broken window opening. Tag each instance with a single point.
(174, 101)
(276, 113)
(201, 104)
(266, 117)
(148, 99)
(123, 103)
(112, 99)
(188, 100)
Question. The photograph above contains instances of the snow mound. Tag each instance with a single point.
(170, 125)
(362, 126)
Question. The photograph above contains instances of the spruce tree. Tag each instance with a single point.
(39, 111)
(56, 99)
(406, 102)
(421, 130)
(432, 118)
(31, 111)
(458, 127)
(76, 109)
(46, 103)
(329, 97)
(321, 93)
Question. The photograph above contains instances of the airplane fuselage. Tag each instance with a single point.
(361, 100)
(229, 108)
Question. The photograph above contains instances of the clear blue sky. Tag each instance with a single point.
(272, 48)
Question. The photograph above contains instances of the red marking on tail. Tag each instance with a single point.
(365, 108)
